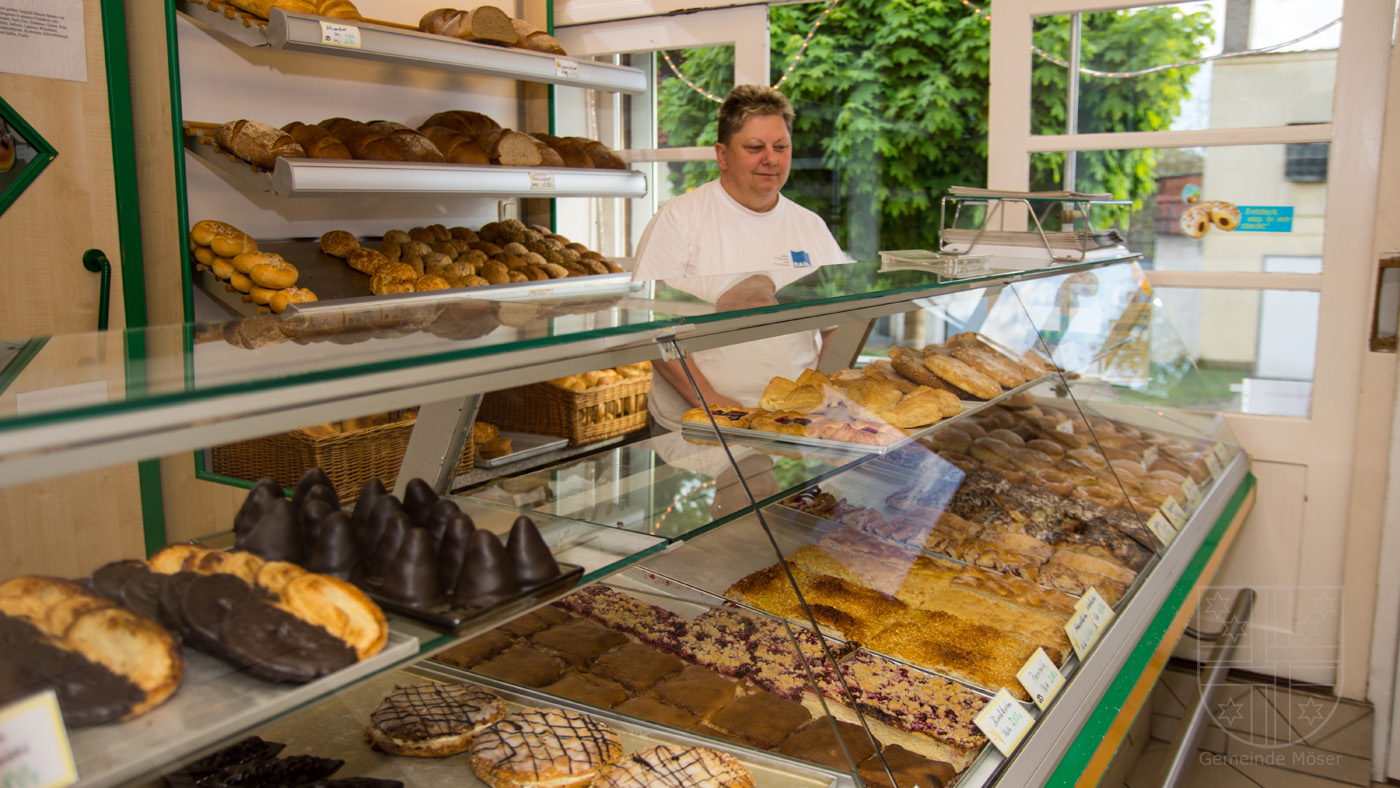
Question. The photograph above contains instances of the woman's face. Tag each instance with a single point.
(755, 163)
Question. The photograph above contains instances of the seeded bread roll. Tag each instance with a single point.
(455, 147)
(339, 243)
(317, 142)
(257, 143)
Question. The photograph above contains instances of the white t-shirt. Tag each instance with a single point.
(704, 242)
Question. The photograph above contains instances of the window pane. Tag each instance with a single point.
(1280, 216)
(1137, 72)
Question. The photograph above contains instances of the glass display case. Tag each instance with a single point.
(828, 572)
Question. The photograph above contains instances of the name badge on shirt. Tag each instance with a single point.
(801, 260)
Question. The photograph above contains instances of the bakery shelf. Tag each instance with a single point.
(309, 177)
(386, 43)
(213, 704)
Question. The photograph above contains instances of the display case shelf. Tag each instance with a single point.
(387, 43)
(311, 177)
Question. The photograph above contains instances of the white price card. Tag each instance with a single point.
(1213, 465)
(1174, 512)
(1193, 493)
(1149, 456)
(1066, 427)
(1221, 453)
(541, 181)
(340, 35)
(34, 749)
(567, 69)
(1083, 631)
(1098, 608)
(1041, 678)
(1005, 721)
(1161, 527)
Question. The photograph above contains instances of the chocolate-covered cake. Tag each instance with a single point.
(533, 560)
(487, 575)
(412, 578)
(336, 551)
(276, 535)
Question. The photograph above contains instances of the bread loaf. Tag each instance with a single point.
(465, 122)
(363, 141)
(530, 37)
(257, 143)
(600, 155)
(549, 157)
(336, 9)
(413, 145)
(572, 154)
(512, 148)
(485, 23)
(454, 146)
(317, 142)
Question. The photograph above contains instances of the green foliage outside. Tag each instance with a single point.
(891, 99)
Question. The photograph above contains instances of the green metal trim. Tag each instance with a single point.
(177, 136)
(133, 272)
(95, 261)
(1076, 759)
(46, 154)
(15, 368)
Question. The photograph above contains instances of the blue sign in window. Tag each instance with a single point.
(801, 260)
(1266, 219)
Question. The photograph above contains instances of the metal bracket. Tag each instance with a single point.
(436, 443)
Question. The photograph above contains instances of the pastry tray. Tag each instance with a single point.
(524, 445)
(459, 620)
(336, 730)
(213, 703)
(776, 441)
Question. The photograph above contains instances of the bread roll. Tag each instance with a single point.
(257, 143)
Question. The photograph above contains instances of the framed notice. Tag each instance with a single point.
(23, 155)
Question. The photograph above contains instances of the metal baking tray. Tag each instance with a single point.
(336, 730)
(214, 703)
(452, 619)
(524, 445)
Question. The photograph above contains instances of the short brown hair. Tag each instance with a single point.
(747, 101)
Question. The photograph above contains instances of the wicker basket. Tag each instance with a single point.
(581, 416)
(349, 458)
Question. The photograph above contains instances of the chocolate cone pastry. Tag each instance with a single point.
(373, 528)
(452, 550)
(370, 492)
(312, 517)
(335, 552)
(384, 552)
(413, 576)
(262, 494)
(487, 576)
(438, 516)
(277, 536)
(314, 477)
(533, 560)
(316, 492)
(418, 499)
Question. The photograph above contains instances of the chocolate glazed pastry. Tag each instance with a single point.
(313, 477)
(278, 646)
(260, 497)
(376, 523)
(439, 515)
(488, 576)
(370, 493)
(452, 552)
(532, 559)
(276, 536)
(250, 750)
(312, 517)
(336, 551)
(395, 529)
(88, 693)
(293, 771)
(412, 578)
(418, 500)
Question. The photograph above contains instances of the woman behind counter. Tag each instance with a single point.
(733, 242)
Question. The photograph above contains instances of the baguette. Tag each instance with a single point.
(317, 142)
(455, 146)
(413, 145)
(257, 143)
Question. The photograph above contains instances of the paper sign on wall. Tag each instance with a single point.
(43, 38)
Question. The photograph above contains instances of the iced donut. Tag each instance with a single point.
(1223, 214)
(1195, 221)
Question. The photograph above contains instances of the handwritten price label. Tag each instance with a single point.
(1221, 453)
(1041, 678)
(1083, 632)
(1213, 465)
(1149, 456)
(1066, 427)
(1174, 512)
(1193, 493)
(1005, 721)
(337, 35)
(1161, 528)
(1098, 608)
(34, 749)
(566, 69)
(541, 181)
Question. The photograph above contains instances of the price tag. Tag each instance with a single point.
(1041, 678)
(1174, 512)
(1097, 607)
(541, 181)
(565, 68)
(1082, 631)
(1221, 453)
(1161, 527)
(1005, 721)
(1066, 427)
(340, 35)
(1213, 465)
(1149, 457)
(1193, 493)
(34, 748)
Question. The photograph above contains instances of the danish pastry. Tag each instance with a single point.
(339, 608)
(1195, 221)
(964, 377)
(1223, 215)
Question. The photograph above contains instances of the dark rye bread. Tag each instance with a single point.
(511, 148)
(463, 121)
(415, 146)
(455, 146)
